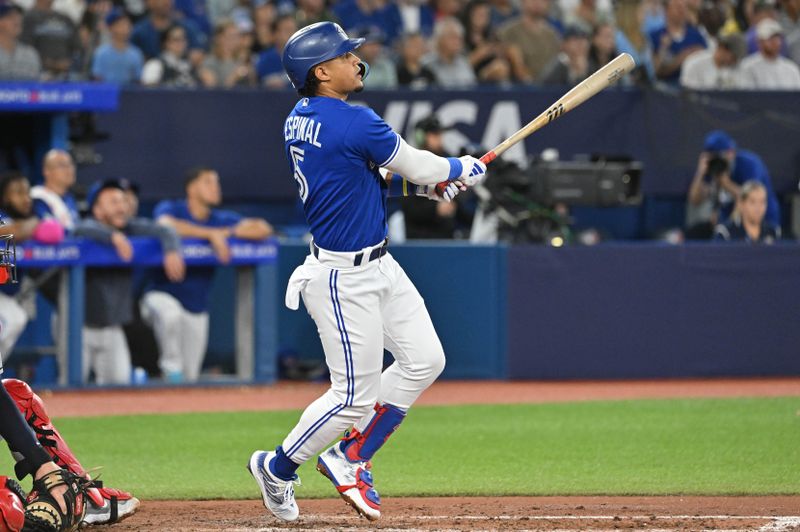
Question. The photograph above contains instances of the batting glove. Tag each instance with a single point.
(473, 171)
(448, 193)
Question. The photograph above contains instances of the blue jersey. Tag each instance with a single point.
(194, 290)
(334, 151)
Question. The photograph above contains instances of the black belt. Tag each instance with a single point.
(376, 253)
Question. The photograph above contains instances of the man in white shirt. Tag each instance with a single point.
(715, 69)
(766, 69)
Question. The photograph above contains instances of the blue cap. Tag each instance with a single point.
(718, 140)
(114, 15)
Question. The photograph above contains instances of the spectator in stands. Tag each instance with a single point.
(603, 47)
(118, 61)
(448, 62)
(92, 32)
(789, 18)
(269, 69)
(762, 9)
(54, 36)
(17, 301)
(712, 17)
(53, 198)
(171, 68)
(381, 13)
(767, 70)
(674, 42)
(264, 15)
(748, 223)
(490, 60)
(572, 64)
(18, 61)
(417, 17)
(382, 70)
(222, 67)
(587, 15)
(716, 69)
(722, 169)
(439, 219)
(533, 35)
(178, 312)
(148, 34)
(631, 39)
(196, 11)
(109, 291)
(313, 11)
(502, 12)
(411, 72)
(446, 8)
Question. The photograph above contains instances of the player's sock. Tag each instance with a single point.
(361, 446)
(282, 466)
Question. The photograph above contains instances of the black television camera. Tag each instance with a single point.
(532, 203)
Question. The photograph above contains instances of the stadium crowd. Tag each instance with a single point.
(700, 44)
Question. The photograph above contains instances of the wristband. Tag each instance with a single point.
(456, 167)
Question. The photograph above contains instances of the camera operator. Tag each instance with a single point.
(722, 169)
(433, 219)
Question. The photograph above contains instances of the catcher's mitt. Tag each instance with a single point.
(42, 511)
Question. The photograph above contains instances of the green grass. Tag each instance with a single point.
(721, 446)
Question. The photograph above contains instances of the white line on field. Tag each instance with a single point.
(781, 523)
(789, 519)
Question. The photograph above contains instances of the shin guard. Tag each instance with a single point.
(361, 446)
(33, 410)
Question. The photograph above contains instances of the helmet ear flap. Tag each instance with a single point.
(364, 66)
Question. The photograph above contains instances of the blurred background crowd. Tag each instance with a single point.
(700, 44)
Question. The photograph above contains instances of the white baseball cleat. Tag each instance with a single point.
(353, 481)
(278, 494)
(116, 506)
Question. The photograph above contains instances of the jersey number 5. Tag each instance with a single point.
(302, 182)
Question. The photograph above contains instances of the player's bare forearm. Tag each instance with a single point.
(253, 229)
(188, 229)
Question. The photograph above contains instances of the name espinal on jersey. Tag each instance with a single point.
(302, 128)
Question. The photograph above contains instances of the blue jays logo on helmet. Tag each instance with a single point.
(313, 45)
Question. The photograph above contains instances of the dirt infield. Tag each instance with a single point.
(780, 513)
(506, 513)
(288, 395)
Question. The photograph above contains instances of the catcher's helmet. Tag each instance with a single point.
(313, 45)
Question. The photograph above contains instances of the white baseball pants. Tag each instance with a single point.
(13, 320)
(359, 311)
(182, 336)
(105, 350)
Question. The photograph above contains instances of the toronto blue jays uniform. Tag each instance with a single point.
(360, 298)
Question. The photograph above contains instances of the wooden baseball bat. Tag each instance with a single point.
(605, 76)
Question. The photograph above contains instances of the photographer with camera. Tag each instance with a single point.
(722, 169)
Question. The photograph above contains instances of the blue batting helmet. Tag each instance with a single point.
(313, 45)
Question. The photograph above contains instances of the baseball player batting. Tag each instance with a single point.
(343, 158)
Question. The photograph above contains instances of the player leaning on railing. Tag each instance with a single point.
(359, 297)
